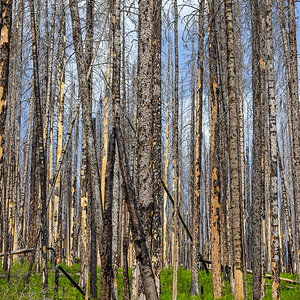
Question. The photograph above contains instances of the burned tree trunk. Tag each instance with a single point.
(215, 184)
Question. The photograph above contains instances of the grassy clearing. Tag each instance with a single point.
(17, 289)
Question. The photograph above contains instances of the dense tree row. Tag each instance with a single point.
(147, 134)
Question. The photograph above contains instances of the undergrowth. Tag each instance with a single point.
(16, 288)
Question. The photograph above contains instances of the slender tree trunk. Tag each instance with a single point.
(49, 75)
(197, 197)
(157, 147)
(239, 83)
(60, 121)
(106, 247)
(164, 256)
(195, 267)
(234, 158)
(5, 31)
(286, 209)
(106, 111)
(126, 285)
(107, 287)
(263, 146)
(257, 186)
(22, 210)
(296, 124)
(42, 169)
(115, 223)
(273, 156)
(215, 186)
(73, 216)
(84, 222)
(82, 70)
(175, 158)
(91, 213)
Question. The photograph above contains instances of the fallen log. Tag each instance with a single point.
(269, 276)
(281, 278)
(20, 251)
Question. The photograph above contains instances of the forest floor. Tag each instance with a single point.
(17, 289)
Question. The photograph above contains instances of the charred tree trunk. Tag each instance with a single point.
(175, 152)
(156, 150)
(257, 185)
(5, 31)
(214, 139)
(197, 197)
(234, 158)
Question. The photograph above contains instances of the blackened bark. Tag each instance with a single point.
(144, 133)
(197, 197)
(5, 31)
(126, 285)
(106, 245)
(156, 150)
(175, 152)
(234, 157)
(5, 36)
(257, 186)
(214, 139)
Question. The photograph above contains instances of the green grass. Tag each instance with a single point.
(17, 289)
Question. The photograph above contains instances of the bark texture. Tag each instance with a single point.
(234, 158)
(175, 152)
(275, 250)
(197, 196)
(156, 150)
(257, 186)
(214, 171)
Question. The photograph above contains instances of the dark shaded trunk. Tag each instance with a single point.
(156, 150)
(257, 185)
(106, 245)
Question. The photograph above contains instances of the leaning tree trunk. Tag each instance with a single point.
(89, 39)
(82, 71)
(60, 121)
(141, 248)
(106, 251)
(41, 168)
